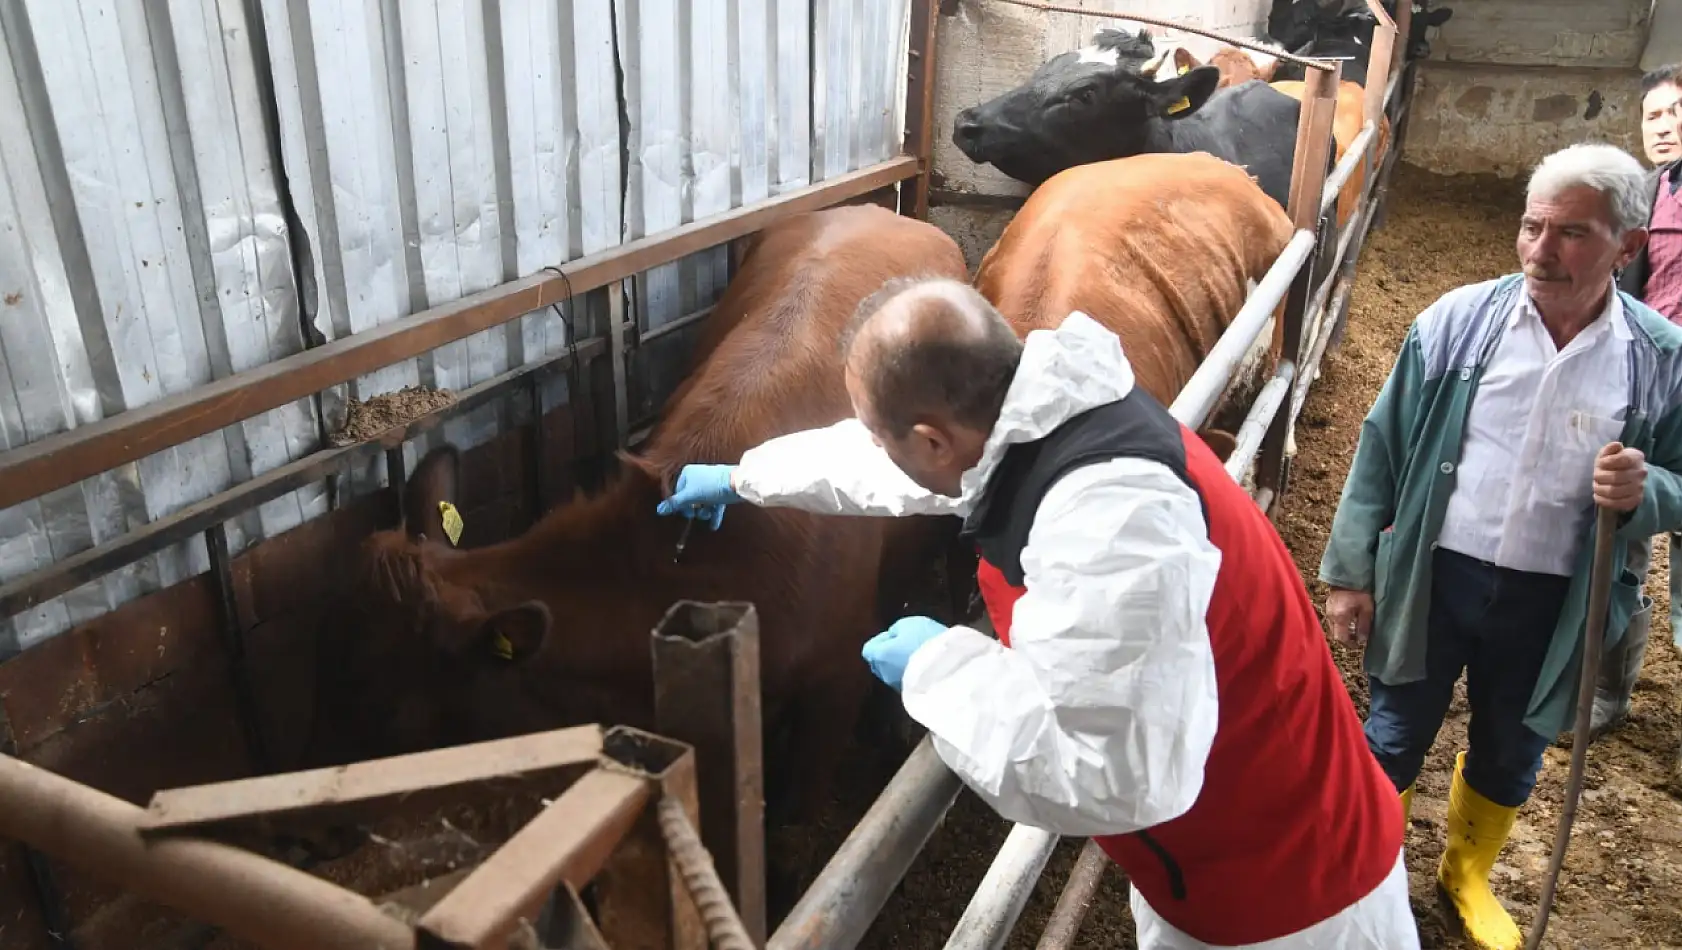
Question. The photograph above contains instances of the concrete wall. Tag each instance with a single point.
(1509, 81)
(1664, 35)
(986, 48)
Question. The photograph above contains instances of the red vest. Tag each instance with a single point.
(1296, 821)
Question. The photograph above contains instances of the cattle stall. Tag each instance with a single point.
(259, 257)
(268, 254)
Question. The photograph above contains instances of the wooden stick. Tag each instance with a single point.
(1600, 597)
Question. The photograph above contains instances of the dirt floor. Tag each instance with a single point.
(1622, 885)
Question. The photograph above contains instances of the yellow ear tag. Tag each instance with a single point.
(1180, 106)
(1183, 71)
(503, 647)
(452, 522)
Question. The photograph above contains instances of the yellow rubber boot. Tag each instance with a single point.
(1477, 830)
(1407, 807)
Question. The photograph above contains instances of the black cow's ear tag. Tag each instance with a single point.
(502, 646)
(1180, 106)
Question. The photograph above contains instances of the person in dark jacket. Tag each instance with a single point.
(1654, 276)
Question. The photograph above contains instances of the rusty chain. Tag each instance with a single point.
(1319, 64)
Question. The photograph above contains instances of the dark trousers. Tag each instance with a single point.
(1495, 624)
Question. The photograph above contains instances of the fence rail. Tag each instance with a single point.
(995, 907)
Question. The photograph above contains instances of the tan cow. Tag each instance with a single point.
(1161, 248)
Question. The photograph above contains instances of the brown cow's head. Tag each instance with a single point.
(414, 657)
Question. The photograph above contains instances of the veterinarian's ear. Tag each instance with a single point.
(517, 633)
(1183, 95)
(433, 481)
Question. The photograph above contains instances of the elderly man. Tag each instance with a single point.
(1159, 681)
(1463, 538)
(1654, 276)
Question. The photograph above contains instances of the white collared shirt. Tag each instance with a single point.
(1524, 493)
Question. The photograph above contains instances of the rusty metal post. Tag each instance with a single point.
(839, 907)
(537, 446)
(919, 107)
(253, 898)
(1064, 924)
(642, 901)
(396, 480)
(1308, 180)
(617, 315)
(1402, 51)
(706, 694)
(1378, 77)
(233, 642)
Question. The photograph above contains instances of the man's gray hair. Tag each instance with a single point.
(1607, 169)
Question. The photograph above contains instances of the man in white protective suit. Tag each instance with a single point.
(1159, 681)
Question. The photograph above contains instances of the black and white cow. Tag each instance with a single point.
(1343, 28)
(1107, 100)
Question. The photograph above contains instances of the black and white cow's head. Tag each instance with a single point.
(1089, 105)
(1345, 27)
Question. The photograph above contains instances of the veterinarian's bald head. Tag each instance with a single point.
(931, 347)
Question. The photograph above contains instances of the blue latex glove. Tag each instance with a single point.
(889, 652)
(702, 492)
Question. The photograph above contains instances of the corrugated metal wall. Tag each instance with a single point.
(193, 188)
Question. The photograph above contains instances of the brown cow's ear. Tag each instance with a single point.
(1220, 442)
(642, 464)
(515, 634)
(434, 480)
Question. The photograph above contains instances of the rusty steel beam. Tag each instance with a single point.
(706, 694)
(1308, 180)
(568, 842)
(251, 897)
(43, 585)
(49, 464)
(1064, 924)
(318, 792)
(641, 898)
(850, 891)
(1004, 890)
(919, 106)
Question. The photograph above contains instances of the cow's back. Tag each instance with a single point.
(770, 357)
(1159, 248)
(773, 365)
(1350, 117)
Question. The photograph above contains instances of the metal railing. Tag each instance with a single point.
(883, 845)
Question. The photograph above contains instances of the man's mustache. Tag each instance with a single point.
(1539, 272)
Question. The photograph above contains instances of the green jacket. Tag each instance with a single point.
(1399, 484)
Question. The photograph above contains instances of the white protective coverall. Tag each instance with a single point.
(1098, 719)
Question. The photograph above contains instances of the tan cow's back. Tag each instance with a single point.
(1351, 115)
(1159, 248)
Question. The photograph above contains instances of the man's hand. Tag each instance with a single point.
(1349, 615)
(702, 491)
(1620, 477)
(889, 652)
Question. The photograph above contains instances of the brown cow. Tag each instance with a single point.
(1238, 66)
(1235, 65)
(440, 645)
(1160, 248)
